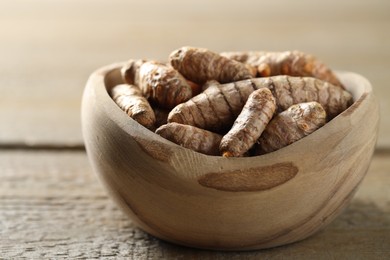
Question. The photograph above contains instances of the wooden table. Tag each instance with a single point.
(51, 203)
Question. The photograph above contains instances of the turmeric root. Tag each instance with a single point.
(130, 100)
(191, 137)
(158, 82)
(250, 123)
(291, 125)
(216, 108)
(200, 65)
(130, 71)
(292, 63)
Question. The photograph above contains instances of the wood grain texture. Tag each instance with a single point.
(51, 205)
(48, 48)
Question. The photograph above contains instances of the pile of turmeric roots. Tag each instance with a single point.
(233, 103)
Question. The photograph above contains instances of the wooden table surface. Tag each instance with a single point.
(51, 203)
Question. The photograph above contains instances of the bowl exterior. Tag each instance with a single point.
(188, 198)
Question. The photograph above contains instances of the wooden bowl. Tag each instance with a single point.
(213, 202)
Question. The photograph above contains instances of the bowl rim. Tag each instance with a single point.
(107, 75)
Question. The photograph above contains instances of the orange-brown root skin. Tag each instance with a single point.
(130, 71)
(227, 154)
(200, 65)
(217, 107)
(191, 137)
(290, 126)
(158, 82)
(130, 100)
(250, 123)
(163, 85)
(292, 63)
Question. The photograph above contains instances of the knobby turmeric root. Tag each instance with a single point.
(292, 63)
(129, 98)
(216, 108)
(250, 123)
(158, 82)
(191, 137)
(200, 65)
(291, 125)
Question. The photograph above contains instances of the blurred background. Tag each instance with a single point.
(48, 48)
(51, 204)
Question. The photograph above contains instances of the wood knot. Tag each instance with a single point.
(253, 179)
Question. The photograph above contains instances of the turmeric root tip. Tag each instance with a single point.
(200, 65)
(130, 100)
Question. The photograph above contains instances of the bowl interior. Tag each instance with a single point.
(178, 157)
